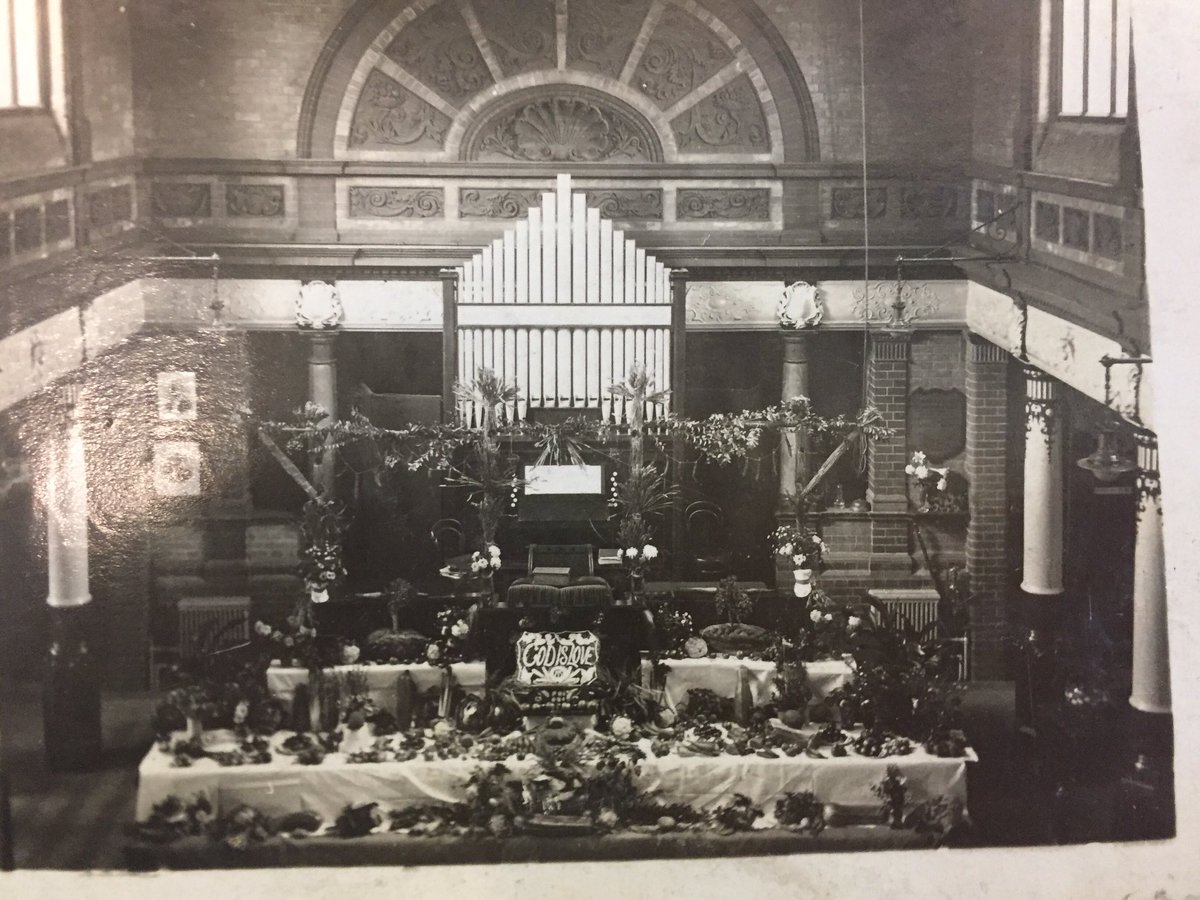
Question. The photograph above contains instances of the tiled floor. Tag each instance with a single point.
(76, 821)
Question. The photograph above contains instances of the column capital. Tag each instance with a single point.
(1149, 483)
(890, 345)
(795, 345)
(679, 275)
(981, 350)
(320, 347)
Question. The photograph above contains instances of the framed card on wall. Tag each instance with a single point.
(177, 468)
(176, 396)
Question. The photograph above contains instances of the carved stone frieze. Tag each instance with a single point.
(521, 33)
(920, 201)
(728, 119)
(388, 115)
(600, 33)
(564, 124)
(438, 48)
(847, 202)
(371, 202)
(181, 199)
(496, 203)
(723, 203)
(918, 301)
(681, 54)
(634, 203)
(254, 200)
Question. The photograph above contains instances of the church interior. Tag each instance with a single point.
(518, 430)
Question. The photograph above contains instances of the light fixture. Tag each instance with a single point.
(1106, 462)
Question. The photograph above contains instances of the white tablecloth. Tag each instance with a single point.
(284, 785)
(381, 679)
(720, 676)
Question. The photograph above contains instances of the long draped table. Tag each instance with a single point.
(285, 785)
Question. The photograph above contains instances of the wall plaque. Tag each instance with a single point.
(937, 422)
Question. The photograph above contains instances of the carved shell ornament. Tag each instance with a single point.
(800, 306)
(318, 305)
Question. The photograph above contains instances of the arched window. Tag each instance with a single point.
(24, 76)
(1093, 58)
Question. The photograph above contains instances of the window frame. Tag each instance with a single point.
(1056, 67)
(45, 74)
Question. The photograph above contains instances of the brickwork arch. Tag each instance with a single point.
(408, 79)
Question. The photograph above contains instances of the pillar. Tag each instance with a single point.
(1146, 798)
(1042, 545)
(986, 470)
(322, 390)
(1042, 566)
(887, 483)
(71, 692)
(793, 471)
(1151, 670)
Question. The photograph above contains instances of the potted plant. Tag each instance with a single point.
(734, 603)
(930, 480)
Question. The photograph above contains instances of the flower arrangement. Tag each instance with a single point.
(321, 563)
(293, 643)
(931, 480)
(450, 645)
(801, 548)
(487, 561)
(637, 558)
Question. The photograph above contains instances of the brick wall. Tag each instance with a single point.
(225, 78)
(988, 531)
(998, 35)
(107, 77)
(938, 362)
(914, 73)
(887, 391)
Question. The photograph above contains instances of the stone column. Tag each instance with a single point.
(1042, 547)
(71, 698)
(322, 390)
(1042, 569)
(986, 470)
(1145, 799)
(887, 484)
(793, 471)
(1151, 669)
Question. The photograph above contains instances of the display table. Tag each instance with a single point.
(720, 674)
(381, 679)
(284, 785)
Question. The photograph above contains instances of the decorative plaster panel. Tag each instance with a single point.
(754, 305)
(729, 119)
(389, 116)
(681, 55)
(601, 33)
(270, 304)
(439, 50)
(391, 202)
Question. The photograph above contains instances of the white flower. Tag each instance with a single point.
(941, 485)
(787, 549)
(459, 628)
(493, 551)
(240, 712)
(433, 652)
(922, 472)
(495, 562)
(853, 622)
(318, 596)
(798, 561)
(350, 654)
(828, 617)
(261, 627)
(910, 469)
(621, 727)
(650, 551)
(815, 615)
(631, 552)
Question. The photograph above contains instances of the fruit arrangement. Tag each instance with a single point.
(730, 637)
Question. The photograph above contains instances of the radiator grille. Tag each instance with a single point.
(209, 623)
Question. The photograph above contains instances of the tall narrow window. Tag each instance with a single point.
(1093, 54)
(22, 80)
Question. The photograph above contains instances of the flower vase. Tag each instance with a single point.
(925, 494)
(803, 584)
(195, 728)
(637, 586)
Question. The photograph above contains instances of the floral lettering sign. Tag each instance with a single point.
(567, 659)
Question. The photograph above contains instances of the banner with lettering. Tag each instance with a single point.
(567, 658)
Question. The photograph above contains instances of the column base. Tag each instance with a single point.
(1146, 794)
(71, 694)
(1041, 616)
